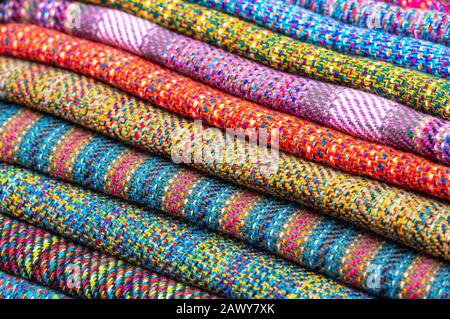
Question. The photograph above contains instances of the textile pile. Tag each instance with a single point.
(179, 149)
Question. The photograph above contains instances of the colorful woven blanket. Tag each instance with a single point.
(35, 254)
(314, 241)
(415, 220)
(435, 5)
(177, 93)
(17, 288)
(427, 25)
(216, 264)
(357, 113)
(221, 157)
(307, 26)
(415, 89)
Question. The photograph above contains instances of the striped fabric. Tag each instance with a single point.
(415, 220)
(357, 113)
(426, 25)
(17, 288)
(239, 149)
(185, 253)
(41, 257)
(435, 5)
(186, 97)
(312, 240)
(415, 89)
(304, 25)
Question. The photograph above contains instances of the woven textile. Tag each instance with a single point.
(360, 114)
(304, 25)
(312, 240)
(17, 288)
(203, 259)
(413, 219)
(182, 95)
(41, 257)
(412, 88)
(435, 5)
(426, 25)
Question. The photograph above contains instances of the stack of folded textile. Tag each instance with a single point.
(224, 149)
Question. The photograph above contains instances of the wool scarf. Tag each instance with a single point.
(307, 26)
(39, 256)
(413, 219)
(184, 253)
(357, 113)
(415, 89)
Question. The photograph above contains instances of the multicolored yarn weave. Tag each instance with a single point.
(39, 256)
(312, 240)
(358, 113)
(415, 89)
(425, 25)
(413, 219)
(304, 25)
(182, 95)
(184, 253)
(435, 5)
(17, 288)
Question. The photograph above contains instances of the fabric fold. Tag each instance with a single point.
(357, 113)
(12, 287)
(309, 239)
(37, 255)
(400, 18)
(171, 248)
(410, 218)
(304, 25)
(415, 89)
(182, 95)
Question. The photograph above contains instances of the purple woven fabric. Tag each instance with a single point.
(358, 113)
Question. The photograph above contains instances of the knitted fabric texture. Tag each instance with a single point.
(42, 257)
(304, 25)
(413, 219)
(182, 95)
(415, 89)
(17, 288)
(188, 254)
(425, 25)
(312, 240)
(357, 113)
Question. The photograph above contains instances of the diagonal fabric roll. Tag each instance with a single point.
(425, 25)
(358, 113)
(434, 5)
(17, 288)
(413, 219)
(184, 253)
(168, 89)
(415, 89)
(42, 257)
(312, 240)
(304, 25)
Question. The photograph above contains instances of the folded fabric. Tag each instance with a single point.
(357, 113)
(304, 25)
(173, 249)
(44, 258)
(425, 25)
(317, 242)
(435, 5)
(415, 89)
(170, 90)
(413, 219)
(17, 288)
